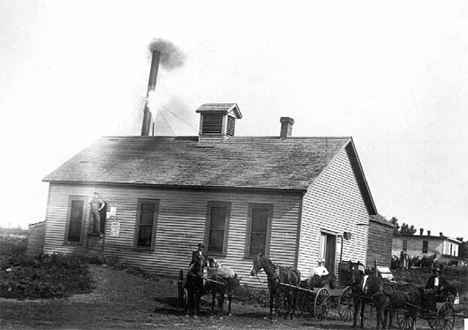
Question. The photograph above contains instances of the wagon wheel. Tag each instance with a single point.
(322, 299)
(180, 289)
(345, 304)
(405, 319)
(432, 322)
(445, 317)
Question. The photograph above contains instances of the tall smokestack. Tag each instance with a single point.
(145, 128)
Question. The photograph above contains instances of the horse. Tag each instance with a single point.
(222, 281)
(408, 296)
(363, 287)
(281, 280)
(195, 286)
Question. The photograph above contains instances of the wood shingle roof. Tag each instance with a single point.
(240, 162)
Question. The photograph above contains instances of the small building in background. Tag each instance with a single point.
(440, 248)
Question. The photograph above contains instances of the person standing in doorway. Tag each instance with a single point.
(96, 205)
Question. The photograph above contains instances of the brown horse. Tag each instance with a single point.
(281, 281)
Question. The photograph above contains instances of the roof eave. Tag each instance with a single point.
(299, 191)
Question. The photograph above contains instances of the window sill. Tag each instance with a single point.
(73, 243)
(217, 254)
(143, 248)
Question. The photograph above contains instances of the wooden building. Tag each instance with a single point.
(291, 197)
(445, 249)
(379, 250)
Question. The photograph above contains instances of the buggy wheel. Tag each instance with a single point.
(445, 317)
(180, 288)
(432, 322)
(322, 299)
(405, 319)
(345, 304)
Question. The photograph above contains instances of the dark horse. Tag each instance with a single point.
(222, 287)
(281, 280)
(195, 286)
(363, 288)
(221, 282)
(410, 298)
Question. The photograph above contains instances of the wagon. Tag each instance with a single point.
(181, 290)
(442, 316)
(315, 301)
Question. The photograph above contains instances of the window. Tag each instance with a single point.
(75, 218)
(147, 217)
(217, 225)
(405, 245)
(425, 246)
(258, 229)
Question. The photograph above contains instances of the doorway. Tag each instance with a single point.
(328, 251)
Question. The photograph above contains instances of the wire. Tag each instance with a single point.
(196, 130)
(162, 115)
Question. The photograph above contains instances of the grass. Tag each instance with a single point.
(43, 276)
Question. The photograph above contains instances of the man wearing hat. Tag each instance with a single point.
(433, 282)
(198, 253)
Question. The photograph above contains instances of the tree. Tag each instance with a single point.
(407, 229)
(463, 250)
(404, 229)
(394, 222)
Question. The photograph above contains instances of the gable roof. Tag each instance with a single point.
(377, 218)
(240, 162)
(231, 108)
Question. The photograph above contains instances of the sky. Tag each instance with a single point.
(391, 74)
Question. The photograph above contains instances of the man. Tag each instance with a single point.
(97, 205)
(197, 254)
(433, 283)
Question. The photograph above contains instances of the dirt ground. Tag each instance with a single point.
(125, 301)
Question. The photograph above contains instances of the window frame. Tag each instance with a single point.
(251, 208)
(425, 247)
(405, 245)
(209, 207)
(84, 219)
(137, 223)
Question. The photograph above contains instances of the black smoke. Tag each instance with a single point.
(171, 56)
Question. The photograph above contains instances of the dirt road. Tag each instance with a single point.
(125, 301)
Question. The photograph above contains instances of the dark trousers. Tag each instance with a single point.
(96, 224)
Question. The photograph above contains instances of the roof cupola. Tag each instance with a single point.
(217, 121)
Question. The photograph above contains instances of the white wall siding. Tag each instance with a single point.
(334, 204)
(181, 219)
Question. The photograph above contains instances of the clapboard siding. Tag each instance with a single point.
(180, 226)
(333, 204)
(379, 244)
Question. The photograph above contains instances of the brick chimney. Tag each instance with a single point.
(286, 127)
(428, 233)
(421, 231)
(441, 234)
